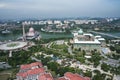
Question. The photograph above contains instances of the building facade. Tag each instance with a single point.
(86, 41)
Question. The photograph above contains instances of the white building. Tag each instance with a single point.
(85, 41)
(50, 22)
(58, 22)
(102, 40)
(85, 21)
(66, 22)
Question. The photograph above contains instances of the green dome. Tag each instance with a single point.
(80, 31)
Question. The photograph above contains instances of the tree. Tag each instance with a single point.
(105, 67)
(46, 60)
(54, 66)
(88, 74)
(79, 49)
(95, 58)
(112, 48)
(97, 77)
(81, 59)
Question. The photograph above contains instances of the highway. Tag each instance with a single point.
(105, 34)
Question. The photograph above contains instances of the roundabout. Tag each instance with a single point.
(13, 45)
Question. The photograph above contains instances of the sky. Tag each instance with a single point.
(21, 9)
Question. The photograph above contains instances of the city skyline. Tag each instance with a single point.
(22, 9)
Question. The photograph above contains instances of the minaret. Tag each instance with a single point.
(24, 36)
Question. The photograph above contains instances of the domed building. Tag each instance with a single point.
(32, 34)
(80, 32)
(85, 41)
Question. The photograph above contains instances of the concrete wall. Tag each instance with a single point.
(87, 46)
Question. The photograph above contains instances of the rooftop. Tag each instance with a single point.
(34, 70)
(71, 76)
(46, 76)
(28, 66)
(87, 42)
(40, 74)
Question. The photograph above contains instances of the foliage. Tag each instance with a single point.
(112, 48)
(53, 66)
(115, 70)
(81, 59)
(19, 57)
(62, 46)
(95, 58)
(88, 74)
(105, 67)
(98, 75)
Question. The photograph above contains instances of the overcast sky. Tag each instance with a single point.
(15, 9)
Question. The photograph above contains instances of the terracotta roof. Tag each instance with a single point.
(46, 76)
(62, 78)
(35, 71)
(72, 76)
(87, 78)
(23, 75)
(31, 72)
(28, 66)
(36, 64)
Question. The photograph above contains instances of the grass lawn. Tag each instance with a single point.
(12, 44)
(9, 73)
(62, 46)
(4, 76)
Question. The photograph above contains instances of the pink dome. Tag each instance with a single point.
(31, 29)
(31, 32)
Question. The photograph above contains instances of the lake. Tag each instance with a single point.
(44, 35)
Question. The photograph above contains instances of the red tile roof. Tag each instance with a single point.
(36, 64)
(31, 72)
(45, 76)
(87, 78)
(62, 78)
(28, 66)
(23, 75)
(35, 71)
(72, 76)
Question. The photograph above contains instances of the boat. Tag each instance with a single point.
(6, 31)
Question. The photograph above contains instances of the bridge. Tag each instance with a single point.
(105, 34)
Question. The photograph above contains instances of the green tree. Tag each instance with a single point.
(112, 48)
(105, 67)
(54, 66)
(88, 74)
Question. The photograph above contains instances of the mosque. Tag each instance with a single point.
(86, 41)
(32, 34)
(18, 45)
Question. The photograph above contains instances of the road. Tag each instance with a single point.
(109, 35)
(49, 44)
(33, 58)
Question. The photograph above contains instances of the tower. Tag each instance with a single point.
(24, 36)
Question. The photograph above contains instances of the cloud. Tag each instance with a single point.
(2, 5)
(59, 8)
